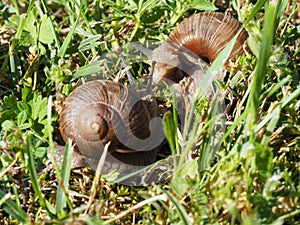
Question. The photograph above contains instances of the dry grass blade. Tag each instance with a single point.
(9, 167)
(161, 197)
(97, 176)
(40, 61)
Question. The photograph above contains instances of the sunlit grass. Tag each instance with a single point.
(246, 172)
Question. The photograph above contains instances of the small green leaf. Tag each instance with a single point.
(22, 117)
(26, 94)
(40, 151)
(146, 6)
(94, 220)
(87, 70)
(203, 5)
(35, 106)
(7, 125)
(7, 115)
(43, 110)
(39, 107)
(29, 32)
(131, 6)
(190, 168)
(25, 126)
(46, 36)
(23, 106)
(263, 160)
(180, 185)
(89, 43)
(9, 102)
(155, 14)
(13, 21)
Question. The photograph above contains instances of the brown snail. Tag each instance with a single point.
(104, 111)
(100, 112)
(200, 37)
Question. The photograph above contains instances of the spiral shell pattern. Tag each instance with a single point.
(203, 35)
(103, 111)
(206, 34)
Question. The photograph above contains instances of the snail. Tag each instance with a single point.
(104, 111)
(197, 40)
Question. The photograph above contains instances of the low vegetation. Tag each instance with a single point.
(248, 174)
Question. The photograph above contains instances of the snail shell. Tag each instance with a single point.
(202, 35)
(104, 111)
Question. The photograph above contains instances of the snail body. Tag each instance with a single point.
(196, 40)
(103, 111)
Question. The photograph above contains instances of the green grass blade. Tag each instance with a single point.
(236, 122)
(212, 143)
(267, 39)
(120, 180)
(185, 219)
(189, 143)
(280, 10)
(175, 119)
(62, 51)
(89, 43)
(17, 200)
(285, 102)
(211, 74)
(170, 124)
(258, 6)
(64, 175)
(88, 69)
(84, 10)
(33, 177)
(219, 62)
(12, 208)
(11, 52)
(146, 6)
(50, 139)
(16, 6)
(274, 88)
(14, 64)
(61, 196)
(271, 127)
(170, 130)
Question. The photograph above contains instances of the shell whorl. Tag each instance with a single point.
(104, 111)
(206, 34)
(203, 35)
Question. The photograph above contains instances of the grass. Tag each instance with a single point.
(246, 173)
